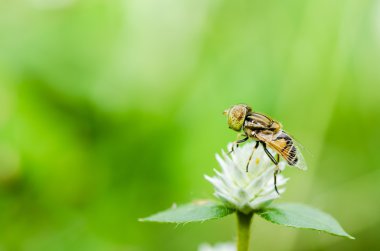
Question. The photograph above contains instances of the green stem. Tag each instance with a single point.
(244, 223)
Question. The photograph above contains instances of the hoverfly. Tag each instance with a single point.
(268, 133)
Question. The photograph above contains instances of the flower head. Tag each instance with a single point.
(246, 191)
(218, 247)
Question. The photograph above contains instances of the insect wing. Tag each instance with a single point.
(276, 144)
(301, 163)
(283, 144)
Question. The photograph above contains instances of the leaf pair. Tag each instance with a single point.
(287, 214)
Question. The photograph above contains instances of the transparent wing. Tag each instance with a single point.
(299, 145)
(301, 163)
(287, 147)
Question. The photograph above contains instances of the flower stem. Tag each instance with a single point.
(244, 223)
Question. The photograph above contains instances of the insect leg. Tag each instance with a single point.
(237, 142)
(278, 158)
(269, 154)
(277, 170)
(250, 157)
(275, 179)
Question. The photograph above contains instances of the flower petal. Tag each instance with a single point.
(246, 191)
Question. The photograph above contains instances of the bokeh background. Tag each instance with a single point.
(112, 110)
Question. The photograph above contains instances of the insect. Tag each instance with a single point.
(268, 133)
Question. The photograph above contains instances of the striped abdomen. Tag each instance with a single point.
(286, 148)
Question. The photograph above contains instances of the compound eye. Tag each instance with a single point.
(236, 117)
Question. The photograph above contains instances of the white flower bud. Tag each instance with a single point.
(218, 247)
(246, 191)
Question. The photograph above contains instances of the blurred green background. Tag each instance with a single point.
(112, 110)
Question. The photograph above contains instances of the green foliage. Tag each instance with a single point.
(301, 216)
(190, 213)
(286, 214)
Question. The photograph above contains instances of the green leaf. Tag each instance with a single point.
(201, 211)
(301, 216)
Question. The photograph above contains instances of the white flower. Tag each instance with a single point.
(218, 247)
(247, 191)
